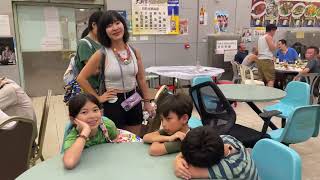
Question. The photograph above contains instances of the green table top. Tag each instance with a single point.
(107, 161)
(251, 93)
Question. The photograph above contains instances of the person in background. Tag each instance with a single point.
(14, 101)
(205, 154)
(88, 45)
(250, 60)
(285, 53)
(266, 46)
(175, 111)
(241, 54)
(313, 65)
(123, 72)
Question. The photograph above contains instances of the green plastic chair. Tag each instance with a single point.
(276, 161)
(303, 123)
(298, 94)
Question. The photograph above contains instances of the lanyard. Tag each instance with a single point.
(134, 72)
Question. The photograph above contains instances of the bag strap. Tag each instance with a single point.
(134, 50)
(102, 86)
(88, 42)
(105, 131)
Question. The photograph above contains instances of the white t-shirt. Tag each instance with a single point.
(263, 49)
(15, 102)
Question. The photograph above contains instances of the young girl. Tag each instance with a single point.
(90, 128)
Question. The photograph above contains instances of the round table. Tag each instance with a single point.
(251, 93)
(184, 72)
(107, 161)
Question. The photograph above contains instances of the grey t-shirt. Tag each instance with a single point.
(314, 66)
(15, 102)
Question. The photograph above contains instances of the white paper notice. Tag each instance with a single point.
(4, 25)
(52, 23)
(229, 55)
(144, 38)
(226, 45)
(52, 41)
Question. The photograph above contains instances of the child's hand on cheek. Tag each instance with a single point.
(83, 128)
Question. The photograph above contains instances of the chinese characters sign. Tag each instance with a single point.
(155, 16)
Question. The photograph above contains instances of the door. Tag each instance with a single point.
(48, 35)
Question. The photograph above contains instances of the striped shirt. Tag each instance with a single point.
(238, 165)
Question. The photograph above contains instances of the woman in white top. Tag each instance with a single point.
(124, 73)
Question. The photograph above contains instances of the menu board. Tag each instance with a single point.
(285, 13)
(155, 16)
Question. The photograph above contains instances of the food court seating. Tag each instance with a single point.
(302, 124)
(37, 147)
(276, 161)
(298, 94)
(16, 146)
(215, 110)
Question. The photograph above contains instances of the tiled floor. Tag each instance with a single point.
(58, 116)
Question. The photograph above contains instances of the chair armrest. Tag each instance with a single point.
(266, 116)
(269, 114)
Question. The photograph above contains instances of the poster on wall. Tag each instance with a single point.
(155, 17)
(203, 16)
(285, 13)
(7, 51)
(246, 35)
(222, 20)
(5, 25)
(258, 10)
(184, 26)
(173, 12)
(222, 45)
(124, 14)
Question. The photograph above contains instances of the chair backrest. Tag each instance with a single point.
(276, 161)
(243, 72)
(44, 120)
(236, 71)
(298, 94)
(302, 124)
(16, 146)
(313, 80)
(214, 109)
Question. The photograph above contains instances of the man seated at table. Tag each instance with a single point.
(205, 154)
(285, 53)
(313, 65)
(241, 54)
(14, 101)
(250, 60)
(175, 111)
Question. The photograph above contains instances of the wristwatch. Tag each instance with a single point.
(83, 136)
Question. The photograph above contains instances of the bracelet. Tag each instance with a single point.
(83, 136)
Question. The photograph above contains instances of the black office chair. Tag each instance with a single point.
(216, 111)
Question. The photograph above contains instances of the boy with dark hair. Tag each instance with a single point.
(205, 154)
(175, 111)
